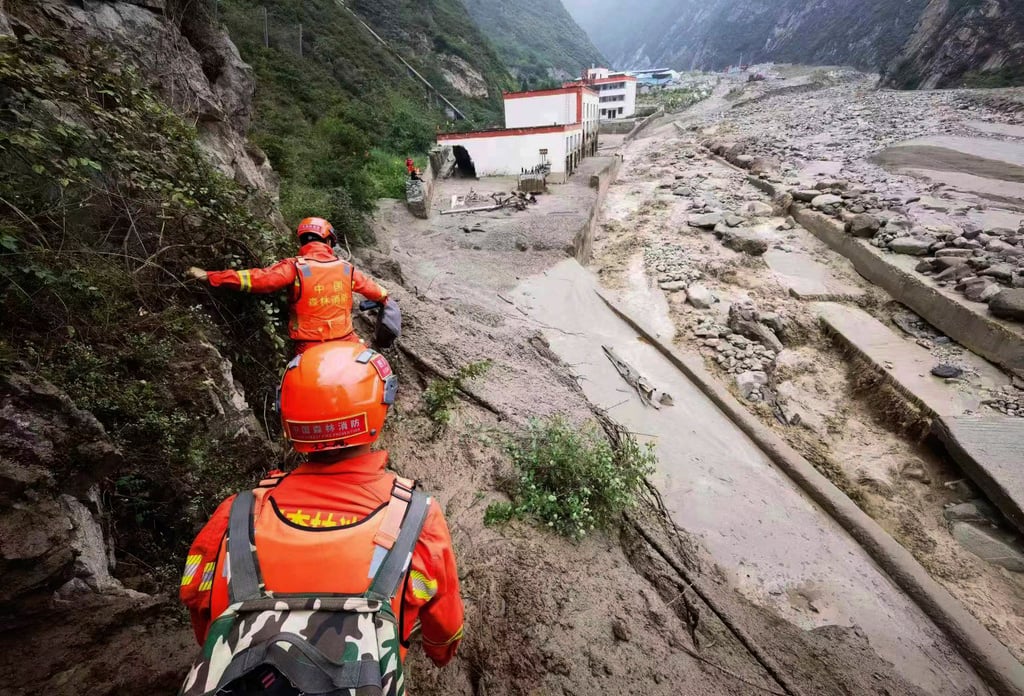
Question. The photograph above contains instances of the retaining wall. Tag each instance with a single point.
(583, 243)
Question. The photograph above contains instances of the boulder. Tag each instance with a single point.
(734, 220)
(864, 225)
(749, 382)
(1001, 271)
(706, 221)
(781, 203)
(804, 195)
(756, 209)
(1009, 304)
(979, 289)
(825, 200)
(416, 198)
(955, 272)
(954, 253)
(699, 296)
(673, 285)
(745, 320)
(744, 240)
(911, 246)
(990, 544)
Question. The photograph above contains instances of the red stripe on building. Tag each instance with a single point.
(564, 89)
(504, 132)
(579, 106)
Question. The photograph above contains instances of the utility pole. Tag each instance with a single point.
(266, 31)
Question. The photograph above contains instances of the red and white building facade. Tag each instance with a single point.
(555, 128)
(616, 92)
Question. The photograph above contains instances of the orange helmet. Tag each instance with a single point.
(318, 226)
(335, 395)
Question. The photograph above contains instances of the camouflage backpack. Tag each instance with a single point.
(324, 645)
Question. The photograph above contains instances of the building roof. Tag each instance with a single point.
(509, 132)
(564, 89)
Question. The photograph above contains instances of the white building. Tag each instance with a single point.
(616, 92)
(552, 129)
(511, 151)
(564, 106)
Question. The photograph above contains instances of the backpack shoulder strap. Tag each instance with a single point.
(396, 561)
(243, 566)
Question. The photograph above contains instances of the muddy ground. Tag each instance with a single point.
(609, 615)
(825, 404)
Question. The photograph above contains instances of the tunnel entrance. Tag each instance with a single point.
(464, 166)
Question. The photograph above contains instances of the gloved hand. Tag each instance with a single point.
(196, 273)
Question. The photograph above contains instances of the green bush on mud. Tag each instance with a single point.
(573, 480)
(441, 394)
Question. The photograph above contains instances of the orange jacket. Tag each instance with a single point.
(344, 493)
(309, 322)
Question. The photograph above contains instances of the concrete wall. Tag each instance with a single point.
(544, 110)
(643, 123)
(584, 241)
(1000, 341)
(505, 154)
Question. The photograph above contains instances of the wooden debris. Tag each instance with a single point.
(647, 392)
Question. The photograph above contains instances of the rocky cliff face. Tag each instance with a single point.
(712, 35)
(963, 43)
(916, 43)
(110, 456)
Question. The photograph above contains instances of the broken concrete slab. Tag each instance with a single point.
(962, 320)
(907, 365)
(989, 544)
(807, 279)
(707, 220)
(990, 450)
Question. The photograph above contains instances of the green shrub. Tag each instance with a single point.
(441, 394)
(572, 480)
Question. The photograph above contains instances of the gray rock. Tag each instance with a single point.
(954, 253)
(745, 241)
(911, 246)
(947, 371)
(977, 510)
(1009, 304)
(825, 200)
(673, 285)
(864, 225)
(990, 544)
(699, 296)
(750, 381)
(978, 289)
(1001, 271)
(805, 196)
(734, 220)
(925, 266)
(756, 209)
(706, 221)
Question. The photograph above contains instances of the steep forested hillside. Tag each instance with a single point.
(538, 39)
(338, 118)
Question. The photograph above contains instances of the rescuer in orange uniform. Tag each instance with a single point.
(320, 286)
(315, 529)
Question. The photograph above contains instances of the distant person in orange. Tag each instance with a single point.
(410, 166)
(320, 286)
(339, 528)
